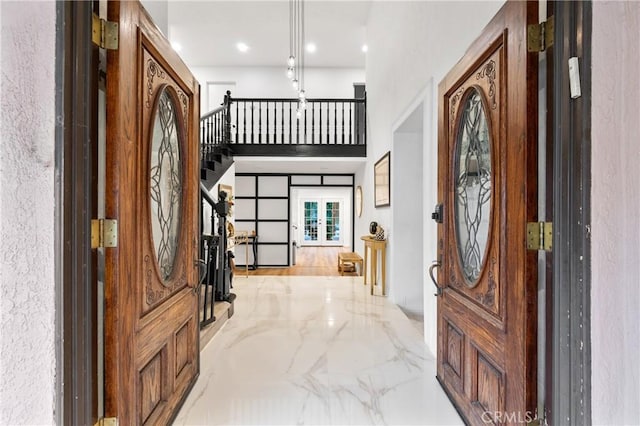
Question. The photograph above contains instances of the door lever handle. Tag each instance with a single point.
(434, 265)
(202, 273)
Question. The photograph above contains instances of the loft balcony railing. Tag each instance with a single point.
(271, 126)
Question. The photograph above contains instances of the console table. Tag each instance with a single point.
(246, 240)
(375, 247)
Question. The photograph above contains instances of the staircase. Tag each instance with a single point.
(214, 164)
(215, 155)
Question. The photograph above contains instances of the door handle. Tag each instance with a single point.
(434, 265)
(437, 214)
(202, 271)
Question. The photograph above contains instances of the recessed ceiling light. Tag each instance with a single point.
(176, 46)
(365, 48)
(242, 47)
(311, 47)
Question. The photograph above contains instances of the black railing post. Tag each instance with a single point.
(313, 122)
(237, 124)
(342, 123)
(227, 118)
(244, 122)
(351, 104)
(364, 119)
(259, 122)
(320, 125)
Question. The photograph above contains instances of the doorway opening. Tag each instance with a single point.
(406, 243)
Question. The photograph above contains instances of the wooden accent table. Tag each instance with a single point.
(347, 258)
(375, 246)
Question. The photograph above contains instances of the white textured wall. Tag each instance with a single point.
(272, 82)
(27, 352)
(615, 214)
(410, 43)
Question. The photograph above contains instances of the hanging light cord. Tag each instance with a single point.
(291, 27)
(296, 60)
(302, 46)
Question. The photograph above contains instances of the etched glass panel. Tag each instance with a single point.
(166, 183)
(472, 186)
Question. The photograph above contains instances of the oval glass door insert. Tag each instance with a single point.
(472, 186)
(166, 183)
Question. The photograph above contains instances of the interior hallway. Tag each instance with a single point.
(315, 350)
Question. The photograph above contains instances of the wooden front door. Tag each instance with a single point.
(152, 151)
(487, 146)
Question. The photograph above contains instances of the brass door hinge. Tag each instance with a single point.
(107, 421)
(104, 233)
(540, 236)
(104, 33)
(540, 36)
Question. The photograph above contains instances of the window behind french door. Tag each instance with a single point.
(321, 222)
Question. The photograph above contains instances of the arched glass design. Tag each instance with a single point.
(472, 185)
(166, 182)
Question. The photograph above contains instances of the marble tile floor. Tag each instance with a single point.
(316, 351)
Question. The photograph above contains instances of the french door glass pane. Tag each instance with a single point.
(332, 221)
(311, 221)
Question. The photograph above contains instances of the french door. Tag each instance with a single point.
(322, 222)
(487, 279)
(151, 321)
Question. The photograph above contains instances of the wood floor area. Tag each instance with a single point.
(310, 261)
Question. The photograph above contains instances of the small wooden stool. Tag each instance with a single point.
(348, 260)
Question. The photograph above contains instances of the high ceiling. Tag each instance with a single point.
(208, 32)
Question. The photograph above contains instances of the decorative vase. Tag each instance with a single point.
(373, 226)
(379, 235)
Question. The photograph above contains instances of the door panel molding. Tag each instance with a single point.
(486, 73)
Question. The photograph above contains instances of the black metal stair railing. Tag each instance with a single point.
(276, 121)
(212, 130)
(217, 272)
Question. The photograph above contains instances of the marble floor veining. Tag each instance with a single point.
(315, 350)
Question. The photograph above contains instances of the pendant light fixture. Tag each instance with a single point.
(295, 62)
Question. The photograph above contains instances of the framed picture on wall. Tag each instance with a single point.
(382, 181)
